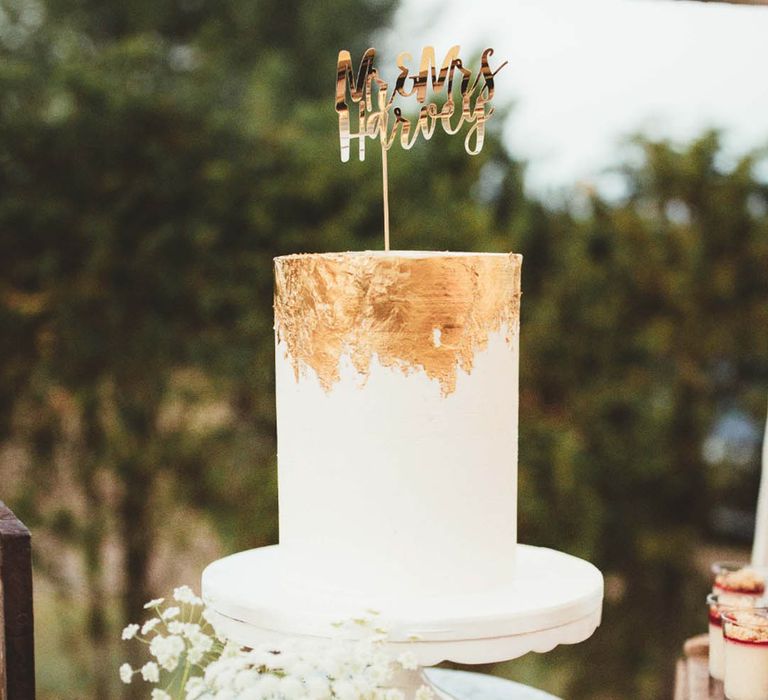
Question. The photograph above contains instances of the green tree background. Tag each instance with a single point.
(155, 156)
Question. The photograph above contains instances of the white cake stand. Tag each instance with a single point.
(555, 599)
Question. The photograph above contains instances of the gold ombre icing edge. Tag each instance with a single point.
(414, 311)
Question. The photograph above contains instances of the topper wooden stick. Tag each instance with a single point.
(385, 192)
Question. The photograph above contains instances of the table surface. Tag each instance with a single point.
(478, 686)
(692, 681)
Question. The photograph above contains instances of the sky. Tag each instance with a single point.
(583, 75)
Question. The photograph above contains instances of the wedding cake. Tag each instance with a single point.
(397, 412)
(397, 394)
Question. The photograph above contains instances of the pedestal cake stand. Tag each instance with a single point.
(554, 599)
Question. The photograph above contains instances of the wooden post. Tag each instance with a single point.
(17, 652)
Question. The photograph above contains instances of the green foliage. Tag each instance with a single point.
(647, 318)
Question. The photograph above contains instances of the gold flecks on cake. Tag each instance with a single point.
(414, 312)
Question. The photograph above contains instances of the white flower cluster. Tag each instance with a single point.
(181, 642)
(207, 668)
(304, 670)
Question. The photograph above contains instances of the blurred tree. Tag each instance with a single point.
(643, 319)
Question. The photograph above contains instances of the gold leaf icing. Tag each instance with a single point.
(414, 311)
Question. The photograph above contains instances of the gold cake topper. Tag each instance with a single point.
(378, 118)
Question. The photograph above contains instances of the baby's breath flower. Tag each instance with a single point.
(170, 613)
(130, 631)
(393, 694)
(318, 688)
(149, 625)
(190, 629)
(408, 661)
(342, 669)
(150, 672)
(269, 685)
(345, 690)
(380, 674)
(245, 679)
(231, 649)
(167, 650)
(126, 673)
(291, 688)
(184, 594)
(176, 627)
(156, 602)
(201, 644)
(195, 688)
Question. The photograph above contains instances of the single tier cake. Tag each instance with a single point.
(397, 393)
